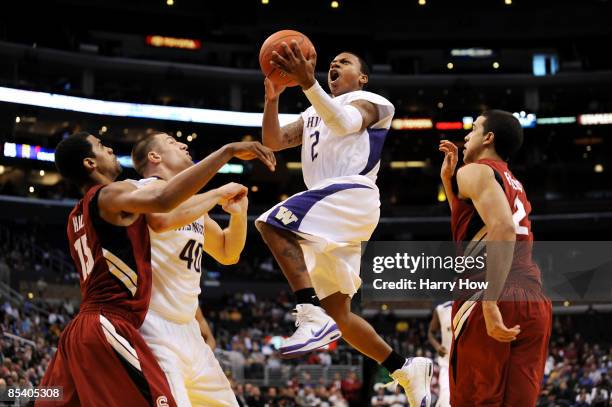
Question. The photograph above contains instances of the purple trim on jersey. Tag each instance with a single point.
(298, 206)
(377, 141)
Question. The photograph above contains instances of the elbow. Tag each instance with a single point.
(503, 231)
(230, 260)
(157, 224)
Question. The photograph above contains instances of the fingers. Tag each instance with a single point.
(313, 55)
(297, 51)
(502, 334)
(265, 155)
(279, 61)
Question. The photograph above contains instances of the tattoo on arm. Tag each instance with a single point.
(292, 133)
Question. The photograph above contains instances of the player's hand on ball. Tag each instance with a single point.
(494, 322)
(272, 90)
(249, 150)
(451, 155)
(295, 65)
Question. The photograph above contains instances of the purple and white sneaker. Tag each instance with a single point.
(415, 378)
(315, 329)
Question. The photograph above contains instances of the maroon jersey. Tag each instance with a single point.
(114, 262)
(467, 225)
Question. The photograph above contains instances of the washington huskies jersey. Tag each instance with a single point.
(326, 155)
(176, 261)
(444, 315)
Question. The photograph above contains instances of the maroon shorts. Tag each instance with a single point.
(102, 360)
(485, 372)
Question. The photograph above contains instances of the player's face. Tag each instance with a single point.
(175, 154)
(345, 74)
(474, 141)
(106, 160)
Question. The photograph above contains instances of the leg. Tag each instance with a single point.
(355, 330)
(528, 354)
(286, 249)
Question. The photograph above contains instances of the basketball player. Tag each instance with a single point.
(441, 322)
(171, 328)
(101, 359)
(316, 235)
(500, 343)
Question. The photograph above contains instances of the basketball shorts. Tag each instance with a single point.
(102, 360)
(332, 218)
(485, 372)
(194, 374)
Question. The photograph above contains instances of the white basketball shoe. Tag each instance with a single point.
(315, 329)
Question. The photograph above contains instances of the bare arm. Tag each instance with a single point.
(123, 197)
(205, 330)
(194, 208)
(226, 245)
(273, 136)
(434, 326)
(447, 171)
(477, 182)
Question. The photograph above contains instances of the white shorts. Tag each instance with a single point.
(193, 372)
(333, 218)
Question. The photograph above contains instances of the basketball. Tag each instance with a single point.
(273, 43)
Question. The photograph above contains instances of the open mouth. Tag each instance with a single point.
(334, 75)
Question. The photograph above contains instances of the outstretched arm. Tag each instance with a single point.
(226, 245)
(123, 197)
(477, 182)
(195, 207)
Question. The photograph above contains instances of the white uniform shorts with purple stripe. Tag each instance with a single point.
(333, 218)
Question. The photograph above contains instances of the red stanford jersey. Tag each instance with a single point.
(114, 262)
(466, 224)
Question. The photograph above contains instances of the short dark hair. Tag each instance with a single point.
(508, 132)
(364, 67)
(69, 156)
(141, 150)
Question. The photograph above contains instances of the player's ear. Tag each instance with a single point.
(489, 138)
(154, 157)
(89, 164)
(363, 79)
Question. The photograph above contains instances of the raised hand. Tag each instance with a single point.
(295, 65)
(236, 206)
(231, 191)
(450, 151)
(249, 150)
(272, 91)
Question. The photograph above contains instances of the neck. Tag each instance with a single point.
(159, 172)
(489, 154)
(95, 179)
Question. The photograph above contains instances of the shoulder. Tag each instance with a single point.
(473, 171)
(368, 96)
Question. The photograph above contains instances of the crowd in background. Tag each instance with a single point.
(577, 370)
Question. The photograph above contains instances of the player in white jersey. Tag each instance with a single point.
(316, 235)
(441, 322)
(178, 240)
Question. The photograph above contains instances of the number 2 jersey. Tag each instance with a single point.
(114, 262)
(176, 258)
(326, 155)
(467, 225)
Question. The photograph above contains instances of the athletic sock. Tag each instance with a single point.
(394, 361)
(307, 296)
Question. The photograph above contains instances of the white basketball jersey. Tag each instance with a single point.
(444, 314)
(176, 257)
(326, 155)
